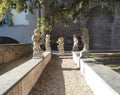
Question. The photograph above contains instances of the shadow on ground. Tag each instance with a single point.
(51, 81)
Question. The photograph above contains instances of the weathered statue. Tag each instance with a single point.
(75, 45)
(85, 39)
(61, 45)
(37, 41)
(47, 42)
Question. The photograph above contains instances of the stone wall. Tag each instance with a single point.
(23, 77)
(100, 31)
(66, 32)
(115, 42)
(9, 52)
(104, 32)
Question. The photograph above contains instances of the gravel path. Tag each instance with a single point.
(61, 77)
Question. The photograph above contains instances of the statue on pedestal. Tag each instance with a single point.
(61, 45)
(37, 41)
(85, 39)
(75, 45)
(47, 42)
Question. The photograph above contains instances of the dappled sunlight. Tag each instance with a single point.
(51, 81)
(61, 77)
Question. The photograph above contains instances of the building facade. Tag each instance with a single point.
(22, 28)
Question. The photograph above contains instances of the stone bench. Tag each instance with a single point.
(20, 80)
(101, 79)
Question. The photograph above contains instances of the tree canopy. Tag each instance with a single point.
(59, 10)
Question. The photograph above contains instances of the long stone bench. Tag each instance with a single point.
(20, 80)
(101, 79)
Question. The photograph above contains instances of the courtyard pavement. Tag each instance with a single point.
(61, 77)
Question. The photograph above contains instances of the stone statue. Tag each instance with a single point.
(37, 41)
(47, 43)
(75, 45)
(85, 39)
(61, 45)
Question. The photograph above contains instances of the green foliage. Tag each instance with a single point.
(57, 10)
(43, 24)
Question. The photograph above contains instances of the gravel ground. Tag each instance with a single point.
(61, 77)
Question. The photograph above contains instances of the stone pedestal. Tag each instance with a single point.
(38, 55)
(85, 54)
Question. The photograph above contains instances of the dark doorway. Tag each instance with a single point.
(7, 40)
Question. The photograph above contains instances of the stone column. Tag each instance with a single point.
(85, 39)
(61, 45)
(37, 41)
(75, 44)
(47, 43)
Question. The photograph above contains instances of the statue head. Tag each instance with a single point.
(47, 36)
(74, 35)
(36, 31)
(61, 39)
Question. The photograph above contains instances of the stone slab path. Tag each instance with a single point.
(61, 77)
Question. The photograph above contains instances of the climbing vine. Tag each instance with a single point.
(57, 10)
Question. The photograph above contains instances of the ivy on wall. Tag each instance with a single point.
(59, 10)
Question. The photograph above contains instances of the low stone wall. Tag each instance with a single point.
(76, 57)
(20, 80)
(9, 52)
(101, 79)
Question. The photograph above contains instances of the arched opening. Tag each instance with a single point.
(7, 40)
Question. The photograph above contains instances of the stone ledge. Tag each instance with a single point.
(20, 80)
(76, 57)
(102, 80)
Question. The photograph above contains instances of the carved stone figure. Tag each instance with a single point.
(75, 45)
(85, 39)
(37, 41)
(61, 45)
(47, 43)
